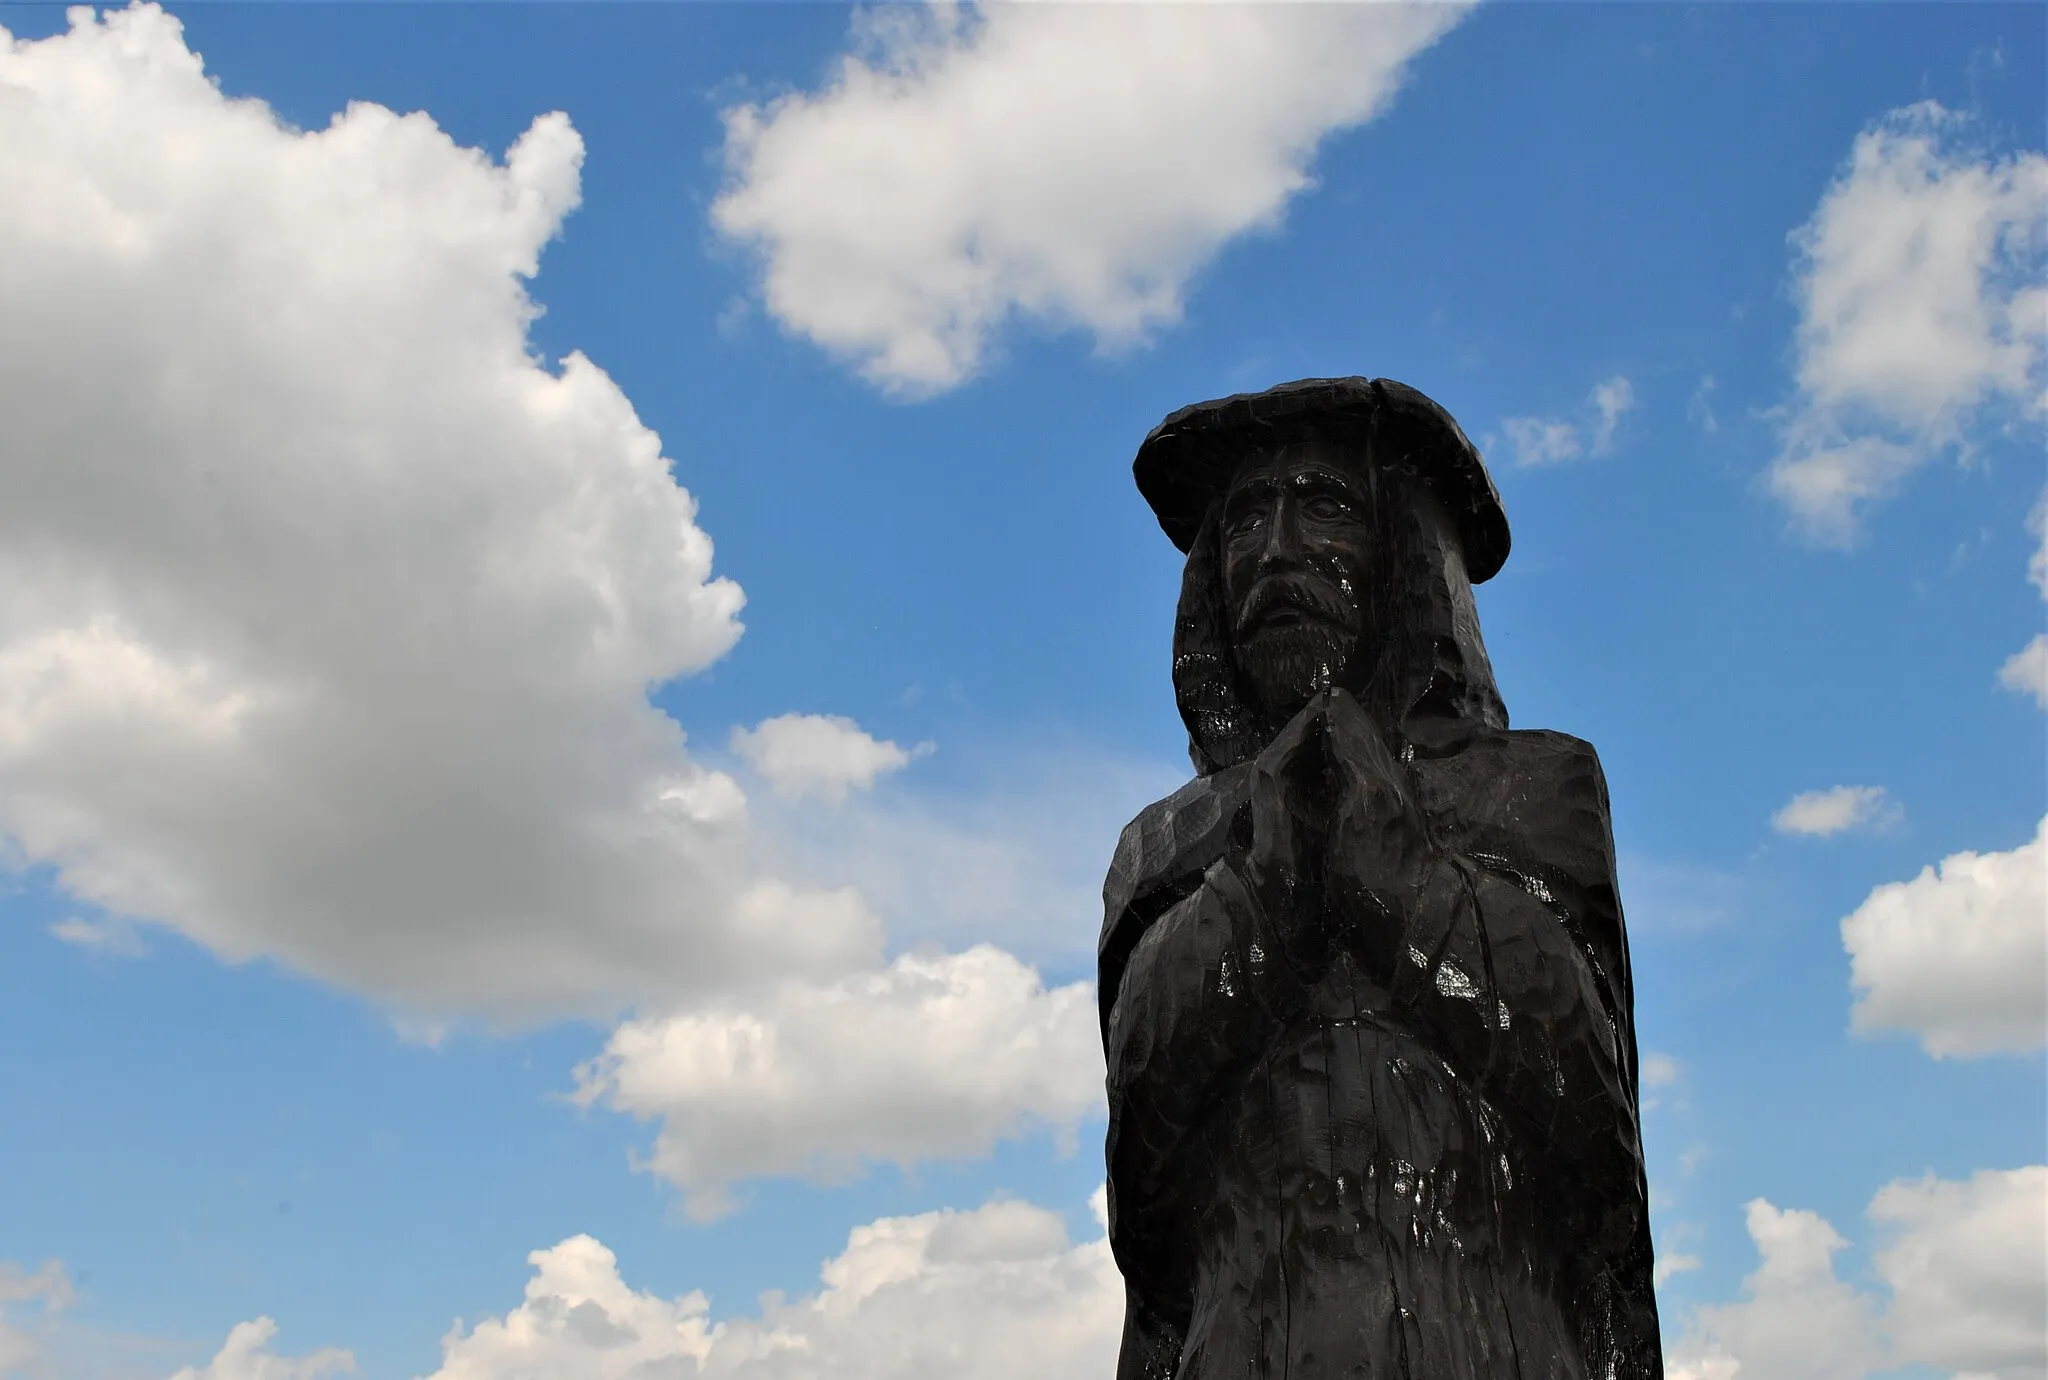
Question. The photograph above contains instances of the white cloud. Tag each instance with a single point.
(2026, 670)
(1795, 1321)
(998, 1293)
(1671, 1263)
(2037, 564)
(1920, 302)
(1660, 1076)
(1073, 164)
(246, 1355)
(327, 613)
(580, 1321)
(1542, 440)
(1610, 399)
(934, 1056)
(1968, 1270)
(1836, 810)
(816, 754)
(48, 1285)
(1965, 1265)
(1554, 440)
(328, 616)
(1959, 955)
(115, 937)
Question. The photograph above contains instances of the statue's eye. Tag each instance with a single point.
(1326, 507)
(1244, 521)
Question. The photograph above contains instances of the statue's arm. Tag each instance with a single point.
(1496, 926)
(1481, 895)
(1192, 999)
(1520, 1007)
(1197, 1001)
(1557, 862)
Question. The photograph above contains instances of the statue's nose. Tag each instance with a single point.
(1283, 538)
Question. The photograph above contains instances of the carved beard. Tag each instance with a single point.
(1285, 666)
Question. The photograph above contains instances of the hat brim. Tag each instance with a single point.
(1189, 459)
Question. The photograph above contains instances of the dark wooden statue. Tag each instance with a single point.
(1365, 987)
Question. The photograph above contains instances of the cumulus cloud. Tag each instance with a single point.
(816, 754)
(1965, 1266)
(1958, 955)
(998, 1293)
(1795, 1321)
(1921, 304)
(2026, 671)
(246, 1355)
(580, 1321)
(1554, 440)
(1836, 810)
(1671, 1263)
(20, 1290)
(1968, 1270)
(328, 612)
(328, 615)
(934, 1056)
(1071, 164)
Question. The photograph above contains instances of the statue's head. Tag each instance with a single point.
(1295, 542)
(1334, 528)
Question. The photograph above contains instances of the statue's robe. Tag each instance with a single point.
(1413, 1153)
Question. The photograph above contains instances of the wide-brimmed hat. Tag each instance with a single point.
(1193, 455)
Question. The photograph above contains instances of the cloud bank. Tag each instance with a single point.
(1796, 1318)
(328, 617)
(246, 1355)
(1965, 1271)
(45, 1290)
(1921, 307)
(327, 612)
(998, 1293)
(1074, 165)
(933, 1057)
(1958, 955)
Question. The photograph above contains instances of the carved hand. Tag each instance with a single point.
(1282, 834)
(1332, 843)
(1377, 850)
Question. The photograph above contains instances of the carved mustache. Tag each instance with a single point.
(1309, 598)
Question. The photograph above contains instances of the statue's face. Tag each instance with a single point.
(1296, 532)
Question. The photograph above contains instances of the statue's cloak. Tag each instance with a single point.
(1427, 1168)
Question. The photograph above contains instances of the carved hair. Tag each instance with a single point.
(1429, 674)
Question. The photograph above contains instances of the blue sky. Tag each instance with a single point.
(435, 834)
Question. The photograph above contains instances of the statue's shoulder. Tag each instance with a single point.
(1527, 759)
(1184, 832)
(1536, 792)
(1160, 858)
